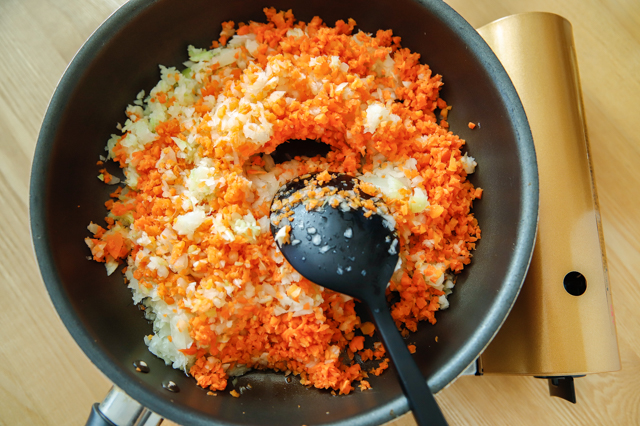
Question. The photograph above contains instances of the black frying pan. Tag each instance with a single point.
(122, 57)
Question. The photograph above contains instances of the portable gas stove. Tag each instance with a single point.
(562, 325)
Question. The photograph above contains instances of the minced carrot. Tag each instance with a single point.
(356, 344)
(472, 125)
(190, 351)
(367, 328)
(114, 245)
(250, 327)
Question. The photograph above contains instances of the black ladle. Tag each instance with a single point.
(345, 251)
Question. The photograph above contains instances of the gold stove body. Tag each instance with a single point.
(551, 332)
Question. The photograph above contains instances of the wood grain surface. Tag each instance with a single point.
(45, 379)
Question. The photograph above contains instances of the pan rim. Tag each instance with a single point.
(526, 235)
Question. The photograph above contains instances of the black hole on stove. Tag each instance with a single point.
(575, 283)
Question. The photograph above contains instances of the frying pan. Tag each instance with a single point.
(122, 57)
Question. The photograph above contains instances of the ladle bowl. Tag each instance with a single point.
(354, 252)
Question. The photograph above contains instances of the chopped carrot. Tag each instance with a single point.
(356, 344)
(197, 238)
(367, 328)
(115, 243)
(189, 351)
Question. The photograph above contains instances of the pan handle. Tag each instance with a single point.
(96, 418)
(119, 409)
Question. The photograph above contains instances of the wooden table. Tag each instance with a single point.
(45, 379)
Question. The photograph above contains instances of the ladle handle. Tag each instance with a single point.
(421, 401)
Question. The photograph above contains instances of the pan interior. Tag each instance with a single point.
(122, 57)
